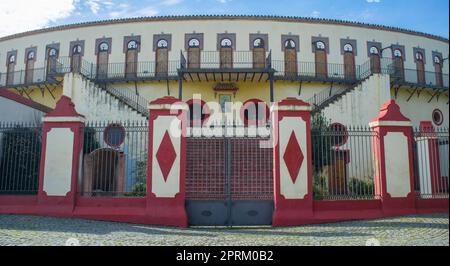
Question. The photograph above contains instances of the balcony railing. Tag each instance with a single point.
(24, 77)
(420, 78)
(217, 60)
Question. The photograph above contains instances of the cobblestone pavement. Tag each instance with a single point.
(432, 229)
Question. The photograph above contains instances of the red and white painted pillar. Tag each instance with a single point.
(394, 180)
(428, 156)
(62, 144)
(293, 197)
(167, 162)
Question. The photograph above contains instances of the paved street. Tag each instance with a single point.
(408, 230)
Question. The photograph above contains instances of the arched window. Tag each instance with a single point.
(12, 59)
(258, 43)
(194, 43)
(321, 60)
(102, 60)
(52, 61)
(420, 66)
(320, 45)
(255, 112)
(437, 60)
(31, 55)
(103, 47)
(226, 43)
(374, 50)
(375, 62)
(290, 58)
(76, 49)
(131, 59)
(52, 52)
(397, 53)
(348, 48)
(349, 62)
(29, 67)
(290, 44)
(162, 44)
(419, 56)
(132, 45)
(226, 53)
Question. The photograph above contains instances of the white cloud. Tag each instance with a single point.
(315, 14)
(24, 15)
(373, 1)
(171, 2)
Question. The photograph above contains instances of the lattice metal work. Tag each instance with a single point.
(228, 168)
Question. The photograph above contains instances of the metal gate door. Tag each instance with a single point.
(229, 181)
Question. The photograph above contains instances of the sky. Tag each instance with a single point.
(431, 16)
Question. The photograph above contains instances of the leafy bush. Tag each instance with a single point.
(139, 190)
(359, 187)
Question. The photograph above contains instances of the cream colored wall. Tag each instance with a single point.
(419, 109)
(42, 97)
(210, 28)
(362, 105)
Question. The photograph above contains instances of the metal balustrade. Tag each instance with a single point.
(214, 61)
(431, 162)
(20, 152)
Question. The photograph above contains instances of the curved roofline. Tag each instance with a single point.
(249, 17)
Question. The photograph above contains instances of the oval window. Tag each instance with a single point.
(438, 117)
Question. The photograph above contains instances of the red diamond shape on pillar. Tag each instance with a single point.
(293, 157)
(166, 155)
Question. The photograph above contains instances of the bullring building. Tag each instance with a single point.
(111, 70)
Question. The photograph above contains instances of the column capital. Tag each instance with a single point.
(167, 103)
(291, 104)
(64, 112)
(390, 115)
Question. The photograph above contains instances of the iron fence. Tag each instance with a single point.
(343, 163)
(133, 100)
(23, 77)
(115, 159)
(20, 152)
(431, 162)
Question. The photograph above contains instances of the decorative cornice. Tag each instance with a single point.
(228, 17)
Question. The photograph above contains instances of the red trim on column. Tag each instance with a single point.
(61, 204)
(390, 111)
(167, 211)
(288, 212)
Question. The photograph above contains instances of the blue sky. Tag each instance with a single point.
(430, 16)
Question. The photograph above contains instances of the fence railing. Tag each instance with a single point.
(23, 77)
(431, 162)
(115, 159)
(20, 152)
(343, 163)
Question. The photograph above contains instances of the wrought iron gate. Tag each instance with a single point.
(229, 181)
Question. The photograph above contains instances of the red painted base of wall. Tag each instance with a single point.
(135, 210)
